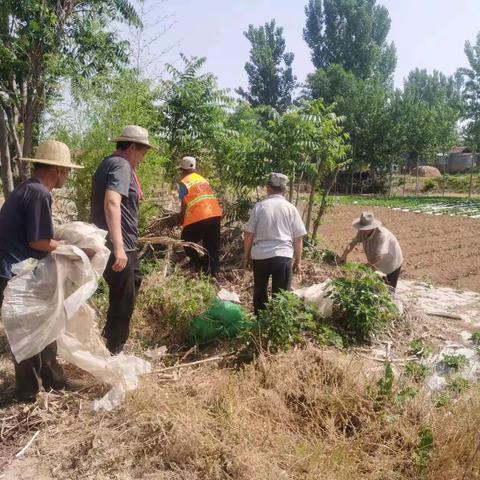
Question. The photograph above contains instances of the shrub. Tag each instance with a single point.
(420, 348)
(362, 303)
(416, 371)
(429, 185)
(454, 361)
(458, 385)
(165, 307)
(475, 338)
(284, 321)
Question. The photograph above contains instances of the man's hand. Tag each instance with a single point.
(121, 260)
(246, 263)
(297, 266)
(341, 259)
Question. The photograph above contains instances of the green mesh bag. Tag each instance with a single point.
(222, 320)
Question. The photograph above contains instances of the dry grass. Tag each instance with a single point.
(308, 414)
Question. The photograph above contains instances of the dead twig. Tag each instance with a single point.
(191, 364)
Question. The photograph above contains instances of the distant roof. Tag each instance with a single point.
(461, 150)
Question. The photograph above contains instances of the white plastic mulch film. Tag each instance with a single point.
(47, 301)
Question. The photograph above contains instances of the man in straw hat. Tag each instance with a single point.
(26, 231)
(114, 207)
(200, 216)
(273, 241)
(380, 245)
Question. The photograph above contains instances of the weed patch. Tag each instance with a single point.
(362, 303)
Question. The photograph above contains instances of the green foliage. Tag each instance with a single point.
(406, 394)
(455, 361)
(362, 303)
(385, 383)
(319, 255)
(424, 447)
(270, 77)
(443, 400)
(416, 371)
(350, 33)
(327, 336)
(124, 99)
(458, 385)
(193, 115)
(284, 322)
(429, 185)
(420, 348)
(471, 93)
(166, 307)
(475, 338)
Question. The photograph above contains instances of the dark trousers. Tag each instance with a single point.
(208, 232)
(280, 269)
(392, 278)
(42, 369)
(123, 290)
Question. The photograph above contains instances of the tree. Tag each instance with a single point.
(370, 121)
(42, 42)
(193, 114)
(471, 94)
(124, 98)
(270, 77)
(350, 33)
(326, 144)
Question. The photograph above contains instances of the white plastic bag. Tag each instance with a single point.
(318, 295)
(47, 301)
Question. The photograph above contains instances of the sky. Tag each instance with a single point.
(427, 34)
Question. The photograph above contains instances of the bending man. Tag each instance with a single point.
(273, 240)
(200, 216)
(115, 196)
(381, 248)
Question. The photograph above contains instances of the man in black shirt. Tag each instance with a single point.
(114, 207)
(26, 231)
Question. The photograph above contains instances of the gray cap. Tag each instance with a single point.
(278, 180)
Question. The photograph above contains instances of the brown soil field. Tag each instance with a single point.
(441, 250)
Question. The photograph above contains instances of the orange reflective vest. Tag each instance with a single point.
(201, 201)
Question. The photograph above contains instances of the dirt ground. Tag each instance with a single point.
(440, 250)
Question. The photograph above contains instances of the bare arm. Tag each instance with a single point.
(297, 253)
(44, 245)
(112, 208)
(347, 251)
(247, 249)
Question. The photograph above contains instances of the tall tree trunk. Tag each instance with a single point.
(417, 179)
(291, 190)
(299, 184)
(323, 206)
(311, 200)
(6, 166)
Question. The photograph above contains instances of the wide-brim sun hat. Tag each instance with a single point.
(51, 152)
(134, 134)
(367, 221)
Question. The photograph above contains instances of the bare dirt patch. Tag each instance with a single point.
(441, 250)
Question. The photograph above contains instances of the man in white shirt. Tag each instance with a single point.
(273, 241)
(381, 248)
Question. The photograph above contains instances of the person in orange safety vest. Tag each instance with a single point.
(200, 217)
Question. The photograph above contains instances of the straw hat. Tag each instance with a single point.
(366, 222)
(54, 153)
(134, 134)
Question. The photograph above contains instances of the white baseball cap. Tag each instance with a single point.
(188, 163)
